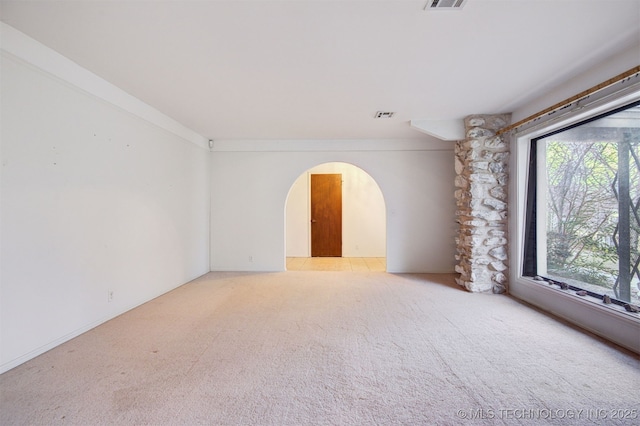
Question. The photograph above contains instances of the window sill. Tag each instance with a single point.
(609, 322)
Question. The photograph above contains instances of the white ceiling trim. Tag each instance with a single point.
(334, 145)
(26, 49)
(446, 130)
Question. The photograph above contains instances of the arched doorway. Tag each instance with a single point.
(363, 221)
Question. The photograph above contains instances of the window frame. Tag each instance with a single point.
(611, 324)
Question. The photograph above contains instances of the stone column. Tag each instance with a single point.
(481, 163)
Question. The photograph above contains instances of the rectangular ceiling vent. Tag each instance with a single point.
(384, 114)
(445, 4)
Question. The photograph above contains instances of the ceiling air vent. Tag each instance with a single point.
(445, 4)
(384, 114)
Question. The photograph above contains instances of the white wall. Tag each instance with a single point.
(595, 74)
(363, 213)
(251, 181)
(94, 199)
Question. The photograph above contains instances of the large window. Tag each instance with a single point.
(582, 219)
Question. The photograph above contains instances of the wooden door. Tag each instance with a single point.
(326, 215)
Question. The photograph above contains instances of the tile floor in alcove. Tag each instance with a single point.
(336, 264)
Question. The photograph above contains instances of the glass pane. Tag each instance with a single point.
(592, 200)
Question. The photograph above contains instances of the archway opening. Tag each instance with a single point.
(363, 227)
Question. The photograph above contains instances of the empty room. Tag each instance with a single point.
(289, 212)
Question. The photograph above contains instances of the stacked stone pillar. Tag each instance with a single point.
(481, 163)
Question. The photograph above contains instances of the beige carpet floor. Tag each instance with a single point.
(327, 348)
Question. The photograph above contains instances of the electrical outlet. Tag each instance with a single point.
(110, 296)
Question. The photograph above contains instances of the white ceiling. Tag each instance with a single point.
(304, 69)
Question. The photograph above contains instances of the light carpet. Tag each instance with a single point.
(327, 348)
